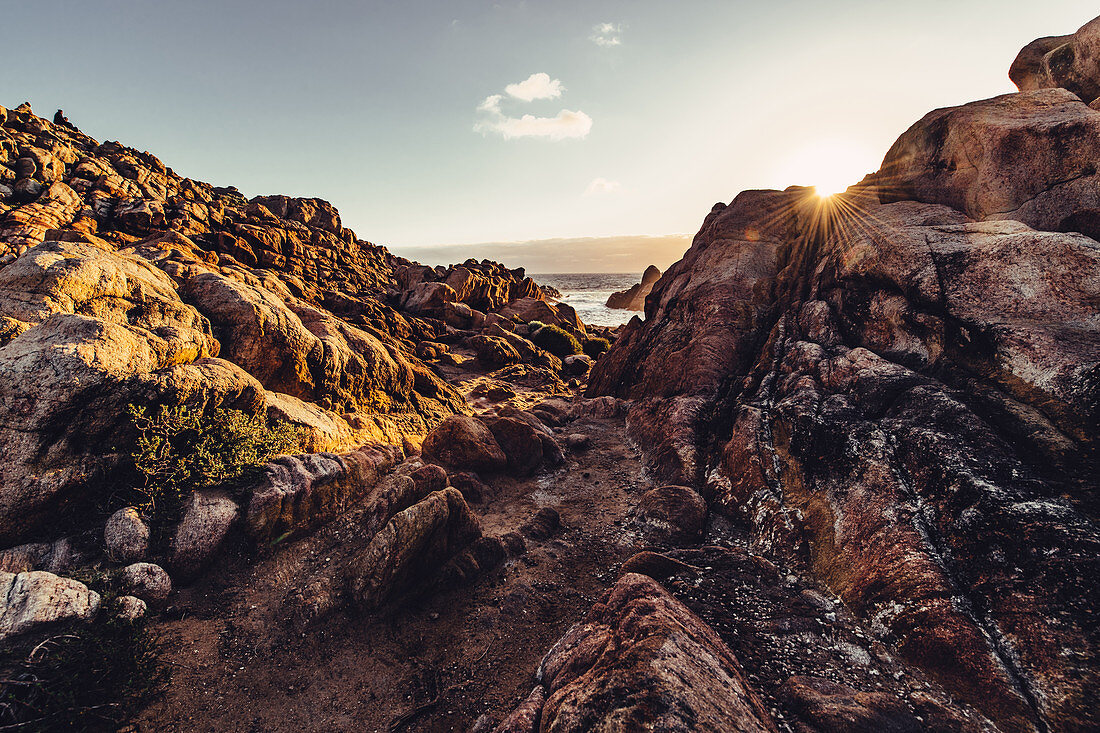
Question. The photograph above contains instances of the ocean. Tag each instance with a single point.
(587, 292)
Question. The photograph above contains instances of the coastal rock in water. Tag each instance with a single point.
(1071, 62)
(633, 298)
(36, 600)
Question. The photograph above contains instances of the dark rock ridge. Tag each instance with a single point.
(898, 390)
(633, 298)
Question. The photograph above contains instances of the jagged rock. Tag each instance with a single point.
(32, 601)
(413, 542)
(633, 298)
(296, 493)
(998, 159)
(672, 515)
(1071, 62)
(529, 353)
(147, 581)
(52, 207)
(207, 518)
(922, 361)
(428, 298)
(130, 608)
(536, 309)
(494, 351)
(126, 536)
(464, 443)
(640, 660)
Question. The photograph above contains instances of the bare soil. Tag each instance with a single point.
(428, 663)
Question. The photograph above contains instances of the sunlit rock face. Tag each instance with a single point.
(1027, 157)
(1071, 62)
(898, 390)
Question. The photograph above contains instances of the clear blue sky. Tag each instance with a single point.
(649, 111)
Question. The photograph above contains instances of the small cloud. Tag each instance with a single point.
(536, 86)
(600, 186)
(607, 35)
(566, 124)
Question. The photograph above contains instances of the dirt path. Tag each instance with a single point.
(432, 664)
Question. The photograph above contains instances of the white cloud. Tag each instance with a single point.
(536, 86)
(607, 35)
(566, 124)
(601, 186)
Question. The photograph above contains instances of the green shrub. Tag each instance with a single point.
(595, 346)
(557, 341)
(93, 677)
(179, 450)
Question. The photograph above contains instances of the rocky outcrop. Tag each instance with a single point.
(1025, 157)
(296, 493)
(640, 660)
(897, 391)
(122, 283)
(633, 298)
(410, 546)
(1071, 62)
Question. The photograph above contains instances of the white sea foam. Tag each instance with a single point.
(587, 292)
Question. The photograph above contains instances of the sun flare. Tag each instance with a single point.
(828, 165)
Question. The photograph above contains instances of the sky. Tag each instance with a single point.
(441, 122)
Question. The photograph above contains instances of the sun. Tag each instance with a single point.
(830, 166)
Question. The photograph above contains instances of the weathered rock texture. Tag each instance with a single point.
(37, 600)
(1071, 62)
(899, 391)
(640, 660)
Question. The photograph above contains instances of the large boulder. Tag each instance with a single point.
(1028, 157)
(36, 600)
(464, 443)
(1071, 62)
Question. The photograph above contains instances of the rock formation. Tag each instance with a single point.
(633, 298)
(897, 390)
(865, 498)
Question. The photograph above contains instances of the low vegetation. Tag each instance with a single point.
(595, 346)
(89, 678)
(180, 449)
(557, 341)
